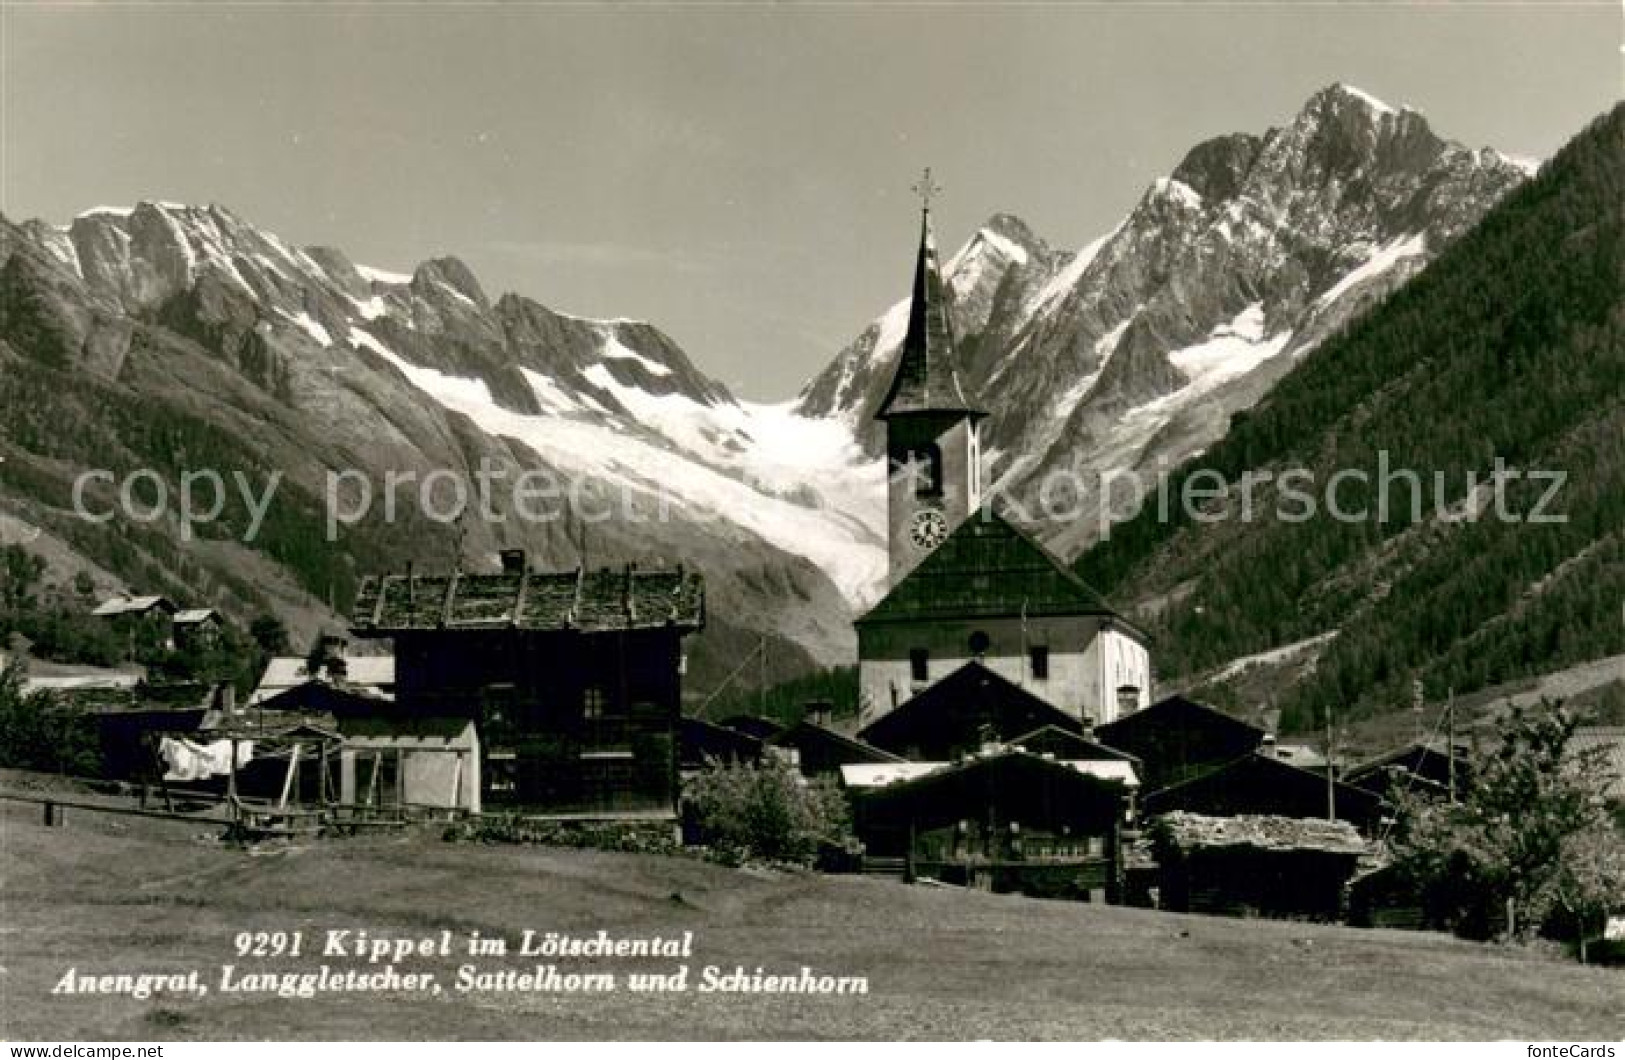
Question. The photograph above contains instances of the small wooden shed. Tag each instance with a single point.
(1255, 865)
(409, 762)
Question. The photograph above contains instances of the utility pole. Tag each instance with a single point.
(1450, 739)
(1331, 780)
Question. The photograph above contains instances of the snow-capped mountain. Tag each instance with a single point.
(1132, 353)
(334, 367)
(173, 336)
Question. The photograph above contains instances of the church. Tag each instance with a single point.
(967, 586)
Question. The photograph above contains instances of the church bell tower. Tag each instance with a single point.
(933, 443)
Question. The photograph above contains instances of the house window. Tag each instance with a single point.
(979, 642)
(1038, 661)
(919, 664)
(592, 703)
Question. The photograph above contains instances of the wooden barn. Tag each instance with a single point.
(572, 678)
(1255, 865)
(966, 710)
(1418, 767)
(1256, 784)
(1006, 821)
(1177, 738)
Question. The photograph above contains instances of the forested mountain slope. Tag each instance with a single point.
(1510, 346)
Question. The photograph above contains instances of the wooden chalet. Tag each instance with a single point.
(136, 608)
(1256, 784)
(966, 710)
(1255, 865)
(1177, 738)
(197, 628)
(1005, 821)
(572, 678)
(139, 619)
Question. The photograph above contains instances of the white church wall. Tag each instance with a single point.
(1086, 663)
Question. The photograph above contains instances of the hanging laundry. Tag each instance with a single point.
(186, 760)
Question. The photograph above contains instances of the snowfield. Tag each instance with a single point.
(800, 484)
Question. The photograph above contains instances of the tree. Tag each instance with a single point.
(1522, 843)
(270, 633)
(37, 732)
(1590, 881)
(20, 572)
(766, 810)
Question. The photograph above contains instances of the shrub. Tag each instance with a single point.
(37, 732)
(766, 811)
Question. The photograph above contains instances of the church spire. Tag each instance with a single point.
(926, 380)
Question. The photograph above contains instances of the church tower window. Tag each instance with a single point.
(925, 471)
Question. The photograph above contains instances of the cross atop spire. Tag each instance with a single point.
(927, 189)
(926, 380)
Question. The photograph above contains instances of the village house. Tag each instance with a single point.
(139, 619)
(572, 679)
(1004, 820)
(197, 628)
(965, 584)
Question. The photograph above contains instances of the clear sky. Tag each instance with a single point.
(737, 174)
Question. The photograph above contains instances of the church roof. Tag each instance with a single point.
(987, 568)
(926, 380)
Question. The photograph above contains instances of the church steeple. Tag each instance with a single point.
(926, 379)
(933, 437)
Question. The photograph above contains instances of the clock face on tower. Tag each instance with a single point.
(928, 530)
